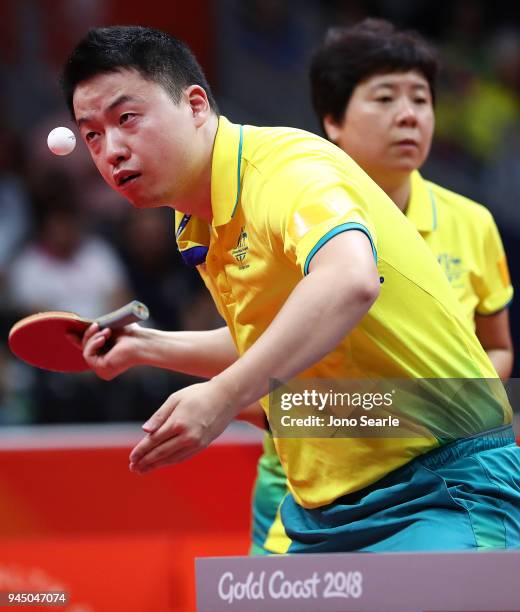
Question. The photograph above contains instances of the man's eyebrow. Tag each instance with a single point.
(114, 104)
(120, 100)
(82, 120)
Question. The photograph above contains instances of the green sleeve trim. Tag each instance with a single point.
(344, 227)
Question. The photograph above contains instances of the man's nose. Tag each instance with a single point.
(116, 150)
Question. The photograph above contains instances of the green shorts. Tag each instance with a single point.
(270, 489)
(465, 495)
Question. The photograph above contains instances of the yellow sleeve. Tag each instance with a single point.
(320, 214)
(495, 290)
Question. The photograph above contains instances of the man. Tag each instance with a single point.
(302, 253)
(373, 88)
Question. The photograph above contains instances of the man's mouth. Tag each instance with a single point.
(127, 178)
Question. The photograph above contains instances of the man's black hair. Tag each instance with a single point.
(155, 55)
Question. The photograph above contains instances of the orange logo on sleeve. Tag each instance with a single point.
(504, 271)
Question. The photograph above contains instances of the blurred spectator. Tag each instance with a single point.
(337, 13)
(64, 267)
(154, 267)
(465, 23)
(159, 276)
(501, 181)
(14, 206)
(476, 109)
(263, 47)
(492, 107)
(15, 405)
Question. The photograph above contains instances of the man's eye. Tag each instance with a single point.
(384, 99)
(125, 117)
(89, 136)
(420, 100)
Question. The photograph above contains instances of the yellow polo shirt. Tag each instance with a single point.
(463, 236)
(277, 196)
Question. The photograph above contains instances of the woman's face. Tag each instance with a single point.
(388, 124)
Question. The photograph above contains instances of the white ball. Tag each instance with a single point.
(61, 141)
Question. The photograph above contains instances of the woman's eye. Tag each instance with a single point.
(89, 136)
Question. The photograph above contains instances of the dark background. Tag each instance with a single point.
(67, 242)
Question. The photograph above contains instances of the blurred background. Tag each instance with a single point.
(67, 242)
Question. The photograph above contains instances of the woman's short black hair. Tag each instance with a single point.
(351, 54)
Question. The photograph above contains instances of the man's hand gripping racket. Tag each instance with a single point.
(55, 340)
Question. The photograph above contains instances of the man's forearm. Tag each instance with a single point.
(322, 309)
(199, 353)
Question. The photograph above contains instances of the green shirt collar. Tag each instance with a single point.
(192, 234)
(226, 171)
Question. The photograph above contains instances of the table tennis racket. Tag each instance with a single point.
(41, 339)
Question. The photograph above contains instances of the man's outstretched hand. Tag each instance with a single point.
(184, 425)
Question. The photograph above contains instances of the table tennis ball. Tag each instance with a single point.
(61, 141)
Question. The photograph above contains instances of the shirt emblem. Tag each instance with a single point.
(453, 268)
(241, 249)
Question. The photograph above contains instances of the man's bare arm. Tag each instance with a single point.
(199, 353)
(322, 309)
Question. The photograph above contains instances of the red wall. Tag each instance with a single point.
(78, 518)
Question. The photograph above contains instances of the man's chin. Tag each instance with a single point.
(138, 202)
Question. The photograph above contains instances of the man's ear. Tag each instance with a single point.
(198, 100)
(332, 128)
